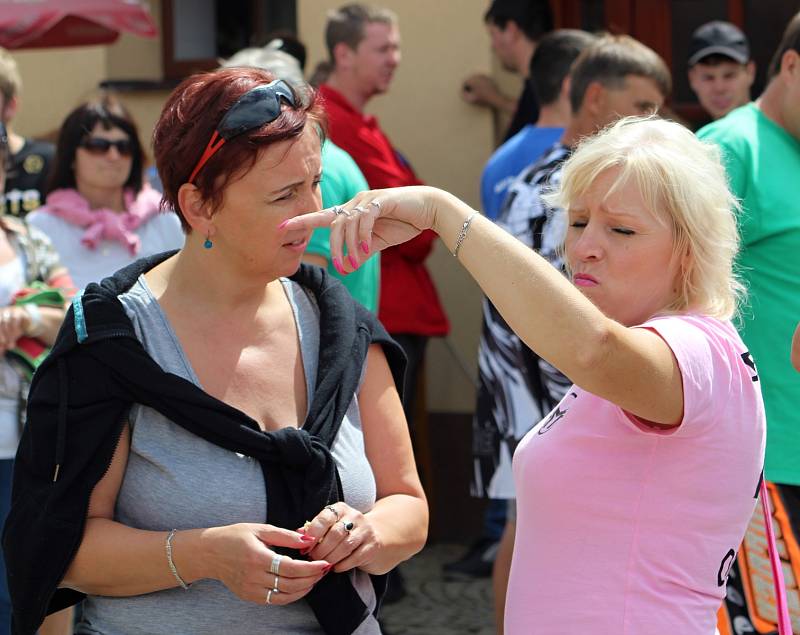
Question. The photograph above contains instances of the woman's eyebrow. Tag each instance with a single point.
(619, 213)
(288, 186)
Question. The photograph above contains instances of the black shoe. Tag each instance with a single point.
(476, 563)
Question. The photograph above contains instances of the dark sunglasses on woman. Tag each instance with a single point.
(98, 145)
(258, 106)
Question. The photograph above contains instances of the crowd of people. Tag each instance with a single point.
(210, 368)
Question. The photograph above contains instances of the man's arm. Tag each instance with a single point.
(481, 90)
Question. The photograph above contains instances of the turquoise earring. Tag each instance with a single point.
(208, 244)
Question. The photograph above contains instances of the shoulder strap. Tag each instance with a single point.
(784, 622)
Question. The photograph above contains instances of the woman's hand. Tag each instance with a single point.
(344, 537)
(240, 557)
(372, 221)
(14, 322)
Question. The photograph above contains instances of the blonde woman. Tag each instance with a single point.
(629, 515)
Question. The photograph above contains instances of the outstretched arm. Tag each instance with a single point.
(633, 368)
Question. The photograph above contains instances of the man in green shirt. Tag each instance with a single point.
(341, 181)
(760, 145)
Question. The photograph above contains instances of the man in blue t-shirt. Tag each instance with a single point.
(549, 68)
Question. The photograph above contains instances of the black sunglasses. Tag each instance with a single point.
(98, 145)
(258, 106)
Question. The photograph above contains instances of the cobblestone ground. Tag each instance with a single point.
(435, 606)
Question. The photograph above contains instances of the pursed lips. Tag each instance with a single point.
(584, 280)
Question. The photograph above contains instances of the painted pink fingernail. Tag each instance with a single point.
(305, 538)
(338, 266)
(365, 247)
(326, 568)
(353, 261)
(284, 223)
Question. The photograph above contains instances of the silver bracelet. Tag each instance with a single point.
(171, 564)
(463, 233)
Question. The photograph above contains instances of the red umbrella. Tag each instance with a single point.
(42, 23)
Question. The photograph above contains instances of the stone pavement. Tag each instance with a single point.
(435, 606)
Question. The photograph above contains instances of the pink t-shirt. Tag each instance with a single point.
(623, 529)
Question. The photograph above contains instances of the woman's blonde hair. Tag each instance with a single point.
(684, 185)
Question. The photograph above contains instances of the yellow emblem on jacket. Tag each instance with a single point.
(33, 163)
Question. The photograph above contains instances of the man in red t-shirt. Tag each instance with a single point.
(364, 47)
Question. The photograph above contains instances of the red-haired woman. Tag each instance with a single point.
(217, 434)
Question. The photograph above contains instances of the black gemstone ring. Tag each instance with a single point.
(347, 525)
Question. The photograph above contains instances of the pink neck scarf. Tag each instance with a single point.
(105, 224)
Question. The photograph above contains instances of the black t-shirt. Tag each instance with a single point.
(527, 111)
(27, 177)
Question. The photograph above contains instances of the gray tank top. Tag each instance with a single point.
(175, 479)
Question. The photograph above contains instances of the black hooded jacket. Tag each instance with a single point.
(80, 398)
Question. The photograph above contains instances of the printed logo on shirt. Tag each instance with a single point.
(748, 360)
(758, 485)
(556, 415)
(33, 164)
(725, 567)
(20, 202)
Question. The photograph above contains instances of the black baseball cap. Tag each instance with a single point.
(719, 38)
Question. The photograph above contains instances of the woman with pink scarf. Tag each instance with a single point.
(99, 214)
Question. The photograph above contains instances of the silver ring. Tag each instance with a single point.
(348, 525)
(275, 565)
(338, 210)
(359, 209)
(332, 509)
(275, 588)
(377, 204)
(269, 596)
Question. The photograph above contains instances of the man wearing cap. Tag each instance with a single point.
(720, 69)
(760, 144)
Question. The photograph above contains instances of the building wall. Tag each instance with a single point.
(54, 80)
(447, 140)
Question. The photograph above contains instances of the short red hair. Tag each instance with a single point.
(192, 113)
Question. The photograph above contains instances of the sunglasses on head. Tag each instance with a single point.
(98, 145)
(258, 106)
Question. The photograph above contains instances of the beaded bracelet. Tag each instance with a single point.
(171, 564)
(463, 233)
